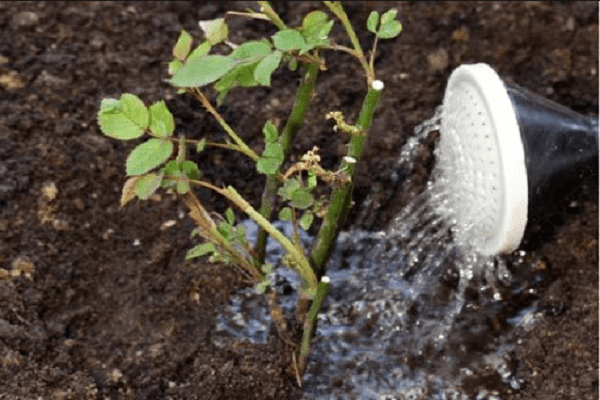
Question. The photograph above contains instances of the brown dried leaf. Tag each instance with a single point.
(128, 193)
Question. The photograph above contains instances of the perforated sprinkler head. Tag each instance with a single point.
(504, 154)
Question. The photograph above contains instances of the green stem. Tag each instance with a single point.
(266, 9)
(302, 263)
(341, 196)
(242, 147)
(292, 126)
(311, 321)
(337, 9)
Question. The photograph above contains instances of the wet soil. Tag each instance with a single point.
(97, 302)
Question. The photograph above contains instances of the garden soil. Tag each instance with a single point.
(97, 302)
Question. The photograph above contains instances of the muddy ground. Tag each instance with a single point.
(97, 302)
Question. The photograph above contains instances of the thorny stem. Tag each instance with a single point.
(341, 196)
(227, 146)
(292, 126)
(242, 147)
(301, 262)
(337, 9)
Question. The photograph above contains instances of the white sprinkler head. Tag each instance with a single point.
(482, 162)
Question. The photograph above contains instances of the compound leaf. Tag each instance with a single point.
(148, 155)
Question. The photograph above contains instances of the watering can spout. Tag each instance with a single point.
(535, 151)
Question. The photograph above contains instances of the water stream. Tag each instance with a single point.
(411, 313)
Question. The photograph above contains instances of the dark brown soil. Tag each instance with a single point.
(97, 302)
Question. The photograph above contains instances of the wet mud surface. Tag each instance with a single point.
(97, 302)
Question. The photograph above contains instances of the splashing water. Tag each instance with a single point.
(409, 308)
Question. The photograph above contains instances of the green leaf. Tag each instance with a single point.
(202, 70)
(200, 51)
(201, 145)
(224, 229)
(251, 52)
(200, 250)
(241, 235)
(288, 39)
(183, 185)
(245, 75)
(171, 169)
(148, 155)
(161, 120)
(322, 33)
(114, 123)
(261, 286)
(288, 188)
(146, 185)
(389, 16)
(183, 45)
(373, 21)
(230, 216)
(312, 181)
(285, 214)
(134, 109)
(190, 169)
(390, 30)
(292, 64)
(306, 220)
(174, 66)
(270, 132)
(271, 159)
(264, 69)
(312, 19)
(216, 30)
(302, 199)
(266, 268)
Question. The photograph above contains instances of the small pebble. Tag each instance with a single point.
(24, 19)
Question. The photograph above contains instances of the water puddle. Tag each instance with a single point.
(411, 314)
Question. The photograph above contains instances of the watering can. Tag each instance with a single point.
(511, 150)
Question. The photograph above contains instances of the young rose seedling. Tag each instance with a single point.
(151, 166)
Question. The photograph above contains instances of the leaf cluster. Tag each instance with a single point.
(128, 118)
(249, 64)
(387, 27)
